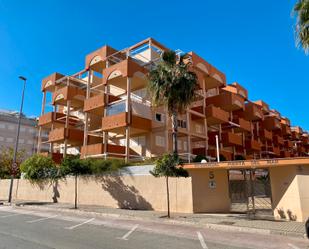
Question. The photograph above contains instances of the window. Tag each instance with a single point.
(160, 141)
(2, 126)
(22, 129)
(21, 141)
(179, 144)
(198, 128)
(11, 127)
(1, 139)
(159, 117)
(29, 142)
(185, 145)
(138, 141)
(182, 123)
(9, 139)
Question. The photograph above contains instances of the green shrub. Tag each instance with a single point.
(72, 165)
(39, 168)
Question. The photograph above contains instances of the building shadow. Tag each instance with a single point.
(127, 197)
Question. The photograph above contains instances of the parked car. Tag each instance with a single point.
(307, 228)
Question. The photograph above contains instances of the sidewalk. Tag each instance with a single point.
(232, 222)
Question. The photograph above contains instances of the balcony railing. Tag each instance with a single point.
(278, 140)
(253, 145)
(227, 101)
(265, 134)
(74, 136)
(231, 139)
(73, 93)
(215, 115)
(271, 123)
(244, 125)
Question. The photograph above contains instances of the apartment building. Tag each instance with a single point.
(104, 111)
(28, 132)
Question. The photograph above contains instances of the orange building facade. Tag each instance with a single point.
(105, 111)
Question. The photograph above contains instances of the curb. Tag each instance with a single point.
(217, 227)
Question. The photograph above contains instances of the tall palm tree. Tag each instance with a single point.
(301, 8)
(173, 85)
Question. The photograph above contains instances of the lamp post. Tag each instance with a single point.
(14, 165)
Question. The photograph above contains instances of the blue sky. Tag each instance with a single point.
(251, 41)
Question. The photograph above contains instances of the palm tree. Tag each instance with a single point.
(173, 85)
(301, 9)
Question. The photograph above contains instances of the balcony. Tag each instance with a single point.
(263, 105)
(227, 101)
(284, 154)
(74, 136)
(97, 59)
(120, 120)
(57, 157)
(206, 72)
(216, 115)
(252, 112)
(244, 125)
(95, 105)
(48, 83)
(98, 149)
(288, 144)
(285, 121)
(237, 89)
(57, 119)
(253, 145)
(227, 155)
(271, 123)
(275, 150)
(286, 130)
(75, 94)
(265, 135)
(231, 139)
(278, 140)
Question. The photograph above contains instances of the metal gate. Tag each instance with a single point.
(250, 192)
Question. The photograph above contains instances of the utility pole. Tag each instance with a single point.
(14, 164)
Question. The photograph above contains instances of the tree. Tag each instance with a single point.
(6, 161)
(301, 9)
(39, 168)
(72, 165)
(173, 85)
(169, 166)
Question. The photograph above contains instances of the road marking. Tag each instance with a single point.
(78, 225)
(202, 241)
(294, 247)
(125, 237)
(16, 214)
(41, 219)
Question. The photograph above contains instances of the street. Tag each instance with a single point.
(32, 229)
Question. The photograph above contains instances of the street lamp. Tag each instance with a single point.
(14, 165)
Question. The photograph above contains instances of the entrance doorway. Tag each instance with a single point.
(250, 192)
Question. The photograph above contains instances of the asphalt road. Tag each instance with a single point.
(33, 229)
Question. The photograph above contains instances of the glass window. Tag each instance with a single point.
(185, 146)
(116, 108)
(2, 126)
(159, 117)
(160, 141)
